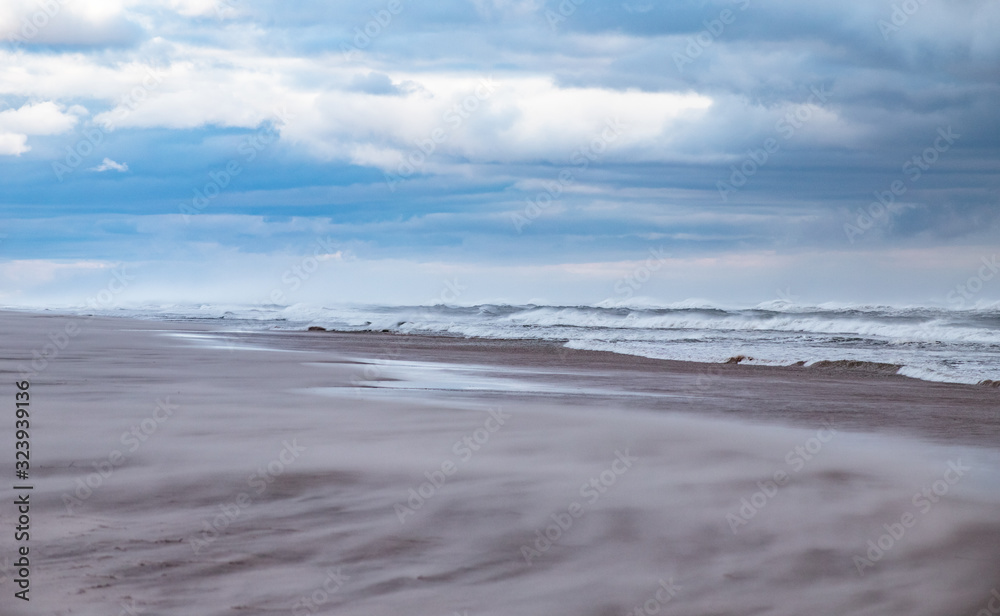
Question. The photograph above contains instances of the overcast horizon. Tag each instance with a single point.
(474, 151)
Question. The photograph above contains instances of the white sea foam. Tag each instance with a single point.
(930, 343)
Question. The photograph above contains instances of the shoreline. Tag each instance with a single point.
(945, 347)
(863, 399)
(176, 467)
(802, 396)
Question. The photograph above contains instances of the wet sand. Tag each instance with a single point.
(181, 471)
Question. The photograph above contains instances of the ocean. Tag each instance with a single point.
(929, 343)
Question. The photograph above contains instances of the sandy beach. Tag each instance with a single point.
(181, 470)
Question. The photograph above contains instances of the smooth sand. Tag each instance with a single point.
(276, 477)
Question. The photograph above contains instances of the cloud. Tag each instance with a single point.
(180, 87)
(46, 118)
(375, 83)
(66, 23)
(12, 144)
(109, 165)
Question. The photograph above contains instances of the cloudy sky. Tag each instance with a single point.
(515, 150)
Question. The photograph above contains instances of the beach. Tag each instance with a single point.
(179, 468)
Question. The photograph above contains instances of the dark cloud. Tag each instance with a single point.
(890, 91)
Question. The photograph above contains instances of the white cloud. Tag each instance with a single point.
(38, 119)
(529, 117)
(13, 145)
(523, 118)
(366, 154)
(66, 22)
(109, 165)
(46, 118)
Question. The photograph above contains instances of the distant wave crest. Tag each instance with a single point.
(929, 343)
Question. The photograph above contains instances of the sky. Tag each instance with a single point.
(473, 151)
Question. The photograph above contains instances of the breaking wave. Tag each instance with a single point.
(925, 342)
